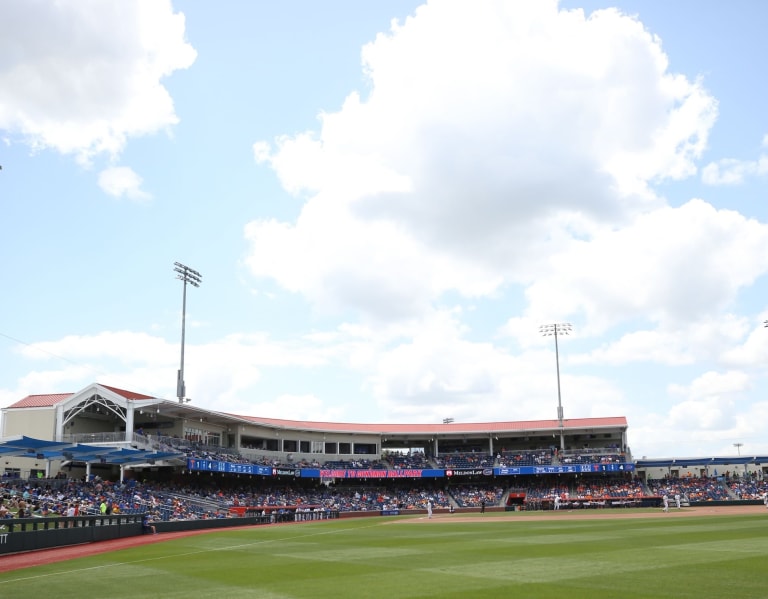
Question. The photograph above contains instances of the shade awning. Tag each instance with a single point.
(41, 449)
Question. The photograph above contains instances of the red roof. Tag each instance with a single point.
(41, 401)
(51, 399)
(127, 394)
(453, 428)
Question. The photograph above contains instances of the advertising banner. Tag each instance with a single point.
(228, 467)
(380, 473)
(376, 473)
(566, 469)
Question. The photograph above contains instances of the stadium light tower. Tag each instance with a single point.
(738, 447)
(194, 278)
(553, 330)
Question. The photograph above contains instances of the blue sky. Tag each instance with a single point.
(385, 201)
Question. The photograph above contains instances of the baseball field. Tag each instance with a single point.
(694, 553)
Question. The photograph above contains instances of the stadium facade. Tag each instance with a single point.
(114, 432)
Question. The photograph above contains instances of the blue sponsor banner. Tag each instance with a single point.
(286, 472)
(254, 469)
(228, 467)
(458, 472)
(566, 469)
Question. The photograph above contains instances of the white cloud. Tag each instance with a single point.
(730, 171)
(714, 384)
(81, 77)
(504, 155)
(705, 416)
(751, 350)
(302, 407)
(438, 371)
(682, 344)
(670, 266)
(668, 347)
(121, 358)
(218, 374)
(122, 181)
(490, 139)
(710, 402)
(513, 146)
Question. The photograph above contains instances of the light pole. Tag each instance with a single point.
(554, 330)
(738, 447)
(194, 278)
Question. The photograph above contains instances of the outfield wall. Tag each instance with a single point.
(32, 534)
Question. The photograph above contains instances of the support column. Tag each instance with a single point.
(59, 432)
(129, 421)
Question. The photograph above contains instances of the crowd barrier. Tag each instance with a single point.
(587, 504)
(31, 534)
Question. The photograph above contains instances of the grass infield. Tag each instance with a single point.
(695, 557)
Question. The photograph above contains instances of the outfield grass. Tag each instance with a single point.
(694, 557)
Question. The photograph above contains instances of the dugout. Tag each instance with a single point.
(515, 501)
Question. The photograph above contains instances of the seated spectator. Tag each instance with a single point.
(147, 526)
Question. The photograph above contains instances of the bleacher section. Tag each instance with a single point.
(511, 459)
(464, 460)
(693, 489)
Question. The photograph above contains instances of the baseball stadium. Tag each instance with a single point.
(106, 470)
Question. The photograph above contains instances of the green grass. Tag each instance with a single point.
(395, 558)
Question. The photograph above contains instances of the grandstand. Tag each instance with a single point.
(149, 434)
(130, 453)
